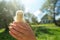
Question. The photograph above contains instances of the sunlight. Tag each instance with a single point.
(26, 10)
(27, 4)
(0, 0)
(57, 17)
(37, 12)
(7, 0)
(27, 1)
(32, 5)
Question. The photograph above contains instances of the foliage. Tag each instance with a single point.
(49, 6)
(30, 18)
(6, 36)
(42, 32)
(7, 12)
(46, 32)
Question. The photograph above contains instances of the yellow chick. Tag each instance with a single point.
(19, 17)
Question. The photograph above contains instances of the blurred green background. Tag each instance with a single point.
(42, 32)
(45, 29)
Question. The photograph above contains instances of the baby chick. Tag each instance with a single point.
(19, 17)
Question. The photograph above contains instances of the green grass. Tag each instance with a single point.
(42, 32)
(47, 32)
(6, 36)
(2, 30)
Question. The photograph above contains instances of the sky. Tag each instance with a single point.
(57, 17)
(33, 6)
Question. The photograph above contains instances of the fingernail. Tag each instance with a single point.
(10, 27)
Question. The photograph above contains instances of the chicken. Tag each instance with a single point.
(19, 17)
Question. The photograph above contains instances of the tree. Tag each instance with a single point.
(34, 19)
(28, 17)
(49, 6)
(7, 12)
(31, 18)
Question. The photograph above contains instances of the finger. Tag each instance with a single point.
(17, 25)
(20, 30)
(12, 34)
(16, 32)
(16, 22)
(12, 24)
(20, 23)
(23, 25)
(27, 26)
(17, 29)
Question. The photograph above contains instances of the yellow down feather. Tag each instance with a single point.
(19, 17)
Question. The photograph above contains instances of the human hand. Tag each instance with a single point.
(21, 31)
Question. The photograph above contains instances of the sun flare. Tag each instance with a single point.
(27, 1)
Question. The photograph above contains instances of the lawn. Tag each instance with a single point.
(42, 32)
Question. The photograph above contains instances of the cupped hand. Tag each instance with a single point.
(21, 31)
